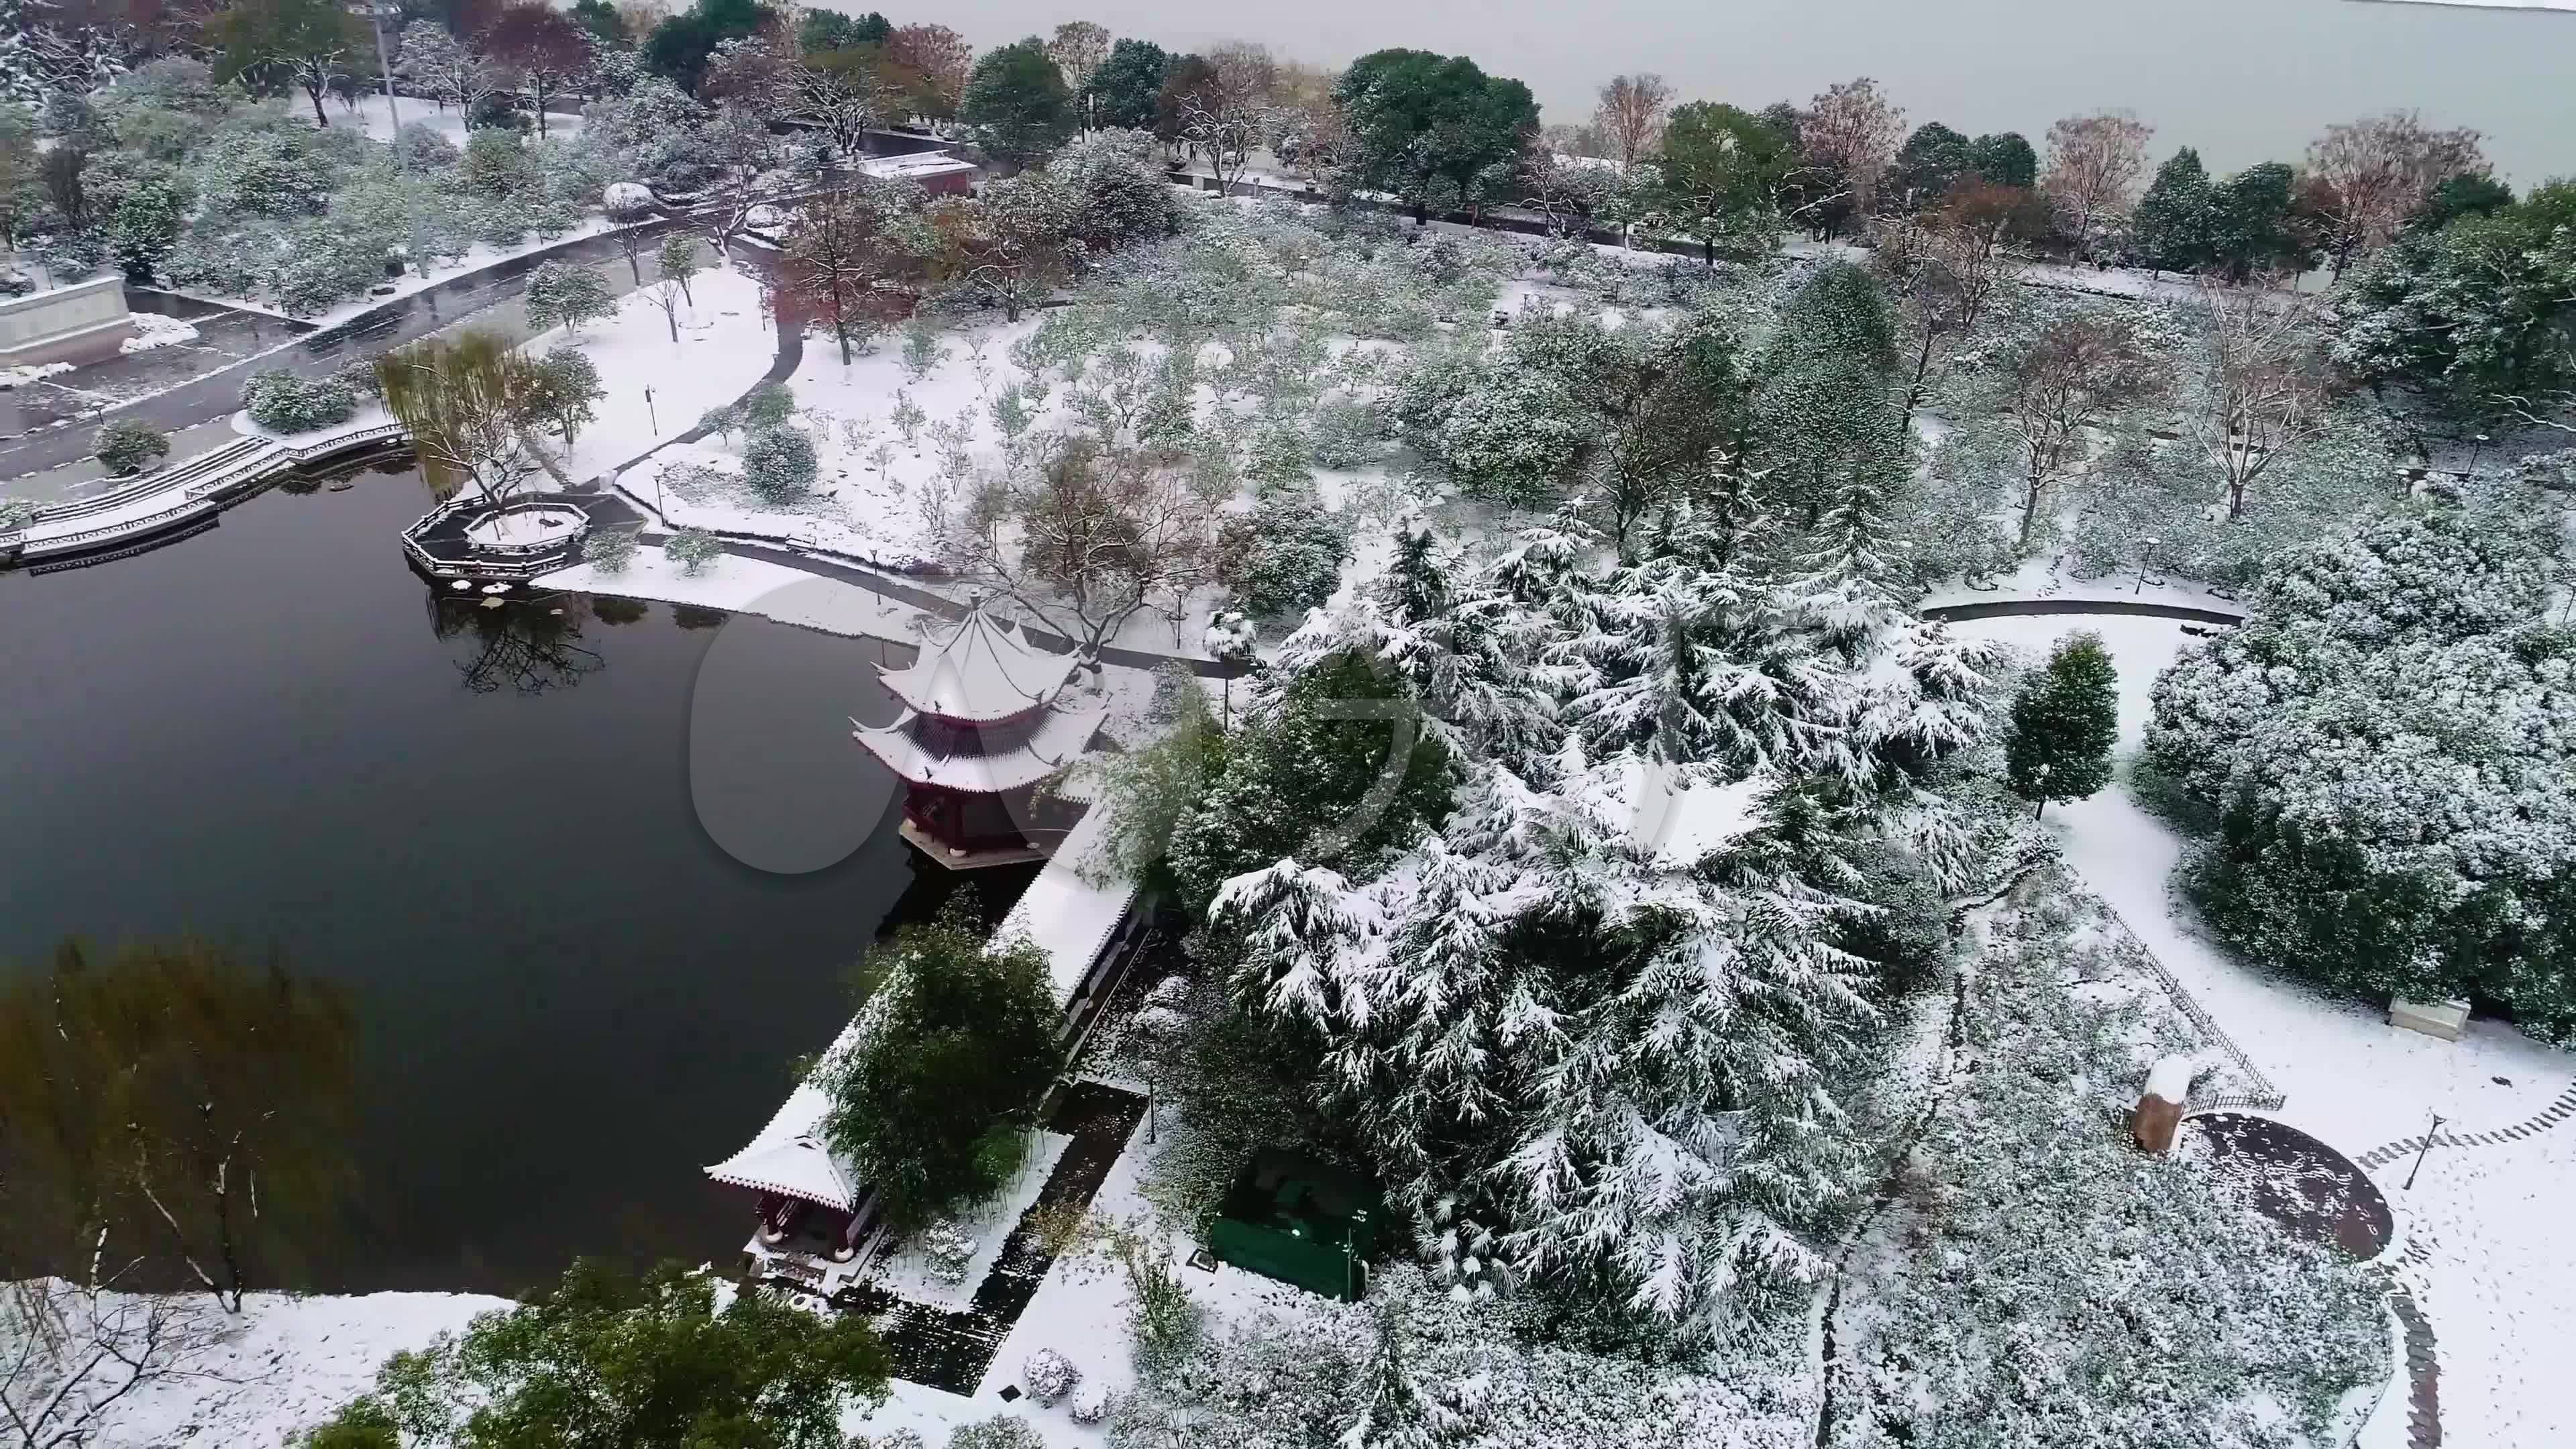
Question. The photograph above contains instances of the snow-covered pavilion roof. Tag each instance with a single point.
(984, 671)
(1059, 739)
(789, 1156)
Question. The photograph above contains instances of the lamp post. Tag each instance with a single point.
(649, 414)
(2421, 1151)
(2148, 551)
(377, 14)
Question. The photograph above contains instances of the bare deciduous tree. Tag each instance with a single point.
(1089, 536)
(1631, 114)
(2266, 383)
(2372, 174)
(940, 56)
(70, 1351)
(835, 258)
(1078, 49)
(2064, 386)
(1854, 129)
(1947, 265)
(2094, 163)
(848, 100)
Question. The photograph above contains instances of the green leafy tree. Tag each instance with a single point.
(602, 22)
(1431, 127)
(606, 1360)
(2005, 158)
(565, 388)
(2472, 195)
(2249, 223)
(769, 405)
(1128, 87)
(2064, 723)
(174, 1107)
(2171, 225)
(2480, 315)
(1722, 169)
(303, 42)
(1018, 103)
(567, 294)
(1931, 158)
(825, 30)
(955, 1044)
(146, 226)
(678, 262)
(680, 47)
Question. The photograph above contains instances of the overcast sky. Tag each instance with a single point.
(2243, 80)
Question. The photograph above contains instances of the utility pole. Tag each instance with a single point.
(376, 11)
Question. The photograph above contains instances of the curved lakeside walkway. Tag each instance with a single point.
(608, 505)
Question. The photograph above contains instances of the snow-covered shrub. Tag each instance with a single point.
(2043, 1283)
(16, 513)
(627, 201)
(694, 550)
(501, 224)
(1090, 1402)
(1345, 433)
(1002, 1431)
(422, 148)
(282, 402)
(768, 405)
(779, 464)
(1048, 1376)
(126, 447)
(1511, 439)
(2390, 745)
(1285, 556)
(321, 266)
(949, 1249)
(1118, 193)
(609, 550)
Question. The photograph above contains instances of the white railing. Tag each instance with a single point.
(197, 485)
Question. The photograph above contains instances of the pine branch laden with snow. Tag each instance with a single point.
(1577, 1056)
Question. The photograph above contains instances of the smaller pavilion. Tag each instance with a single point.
(987, 720)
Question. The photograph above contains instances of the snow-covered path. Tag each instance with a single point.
(2485, 1256)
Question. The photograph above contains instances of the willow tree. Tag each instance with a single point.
(470, 403)
(171, 1115)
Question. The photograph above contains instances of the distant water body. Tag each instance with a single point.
(2242, 80)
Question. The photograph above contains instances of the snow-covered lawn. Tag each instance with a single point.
(376, 115)
(727, 340)
(285, 1365)
(2499, 1282)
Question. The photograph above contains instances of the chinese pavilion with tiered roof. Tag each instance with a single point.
(988, 718)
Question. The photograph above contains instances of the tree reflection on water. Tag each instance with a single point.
(528, 645)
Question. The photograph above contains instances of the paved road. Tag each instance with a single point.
(2001, 608)
(219, 393)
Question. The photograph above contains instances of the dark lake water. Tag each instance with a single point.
(569, 995)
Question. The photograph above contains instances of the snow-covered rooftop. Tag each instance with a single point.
(1058, 741)
(914, 167)
(1068, 916)
(1063, 912)
(985, 670)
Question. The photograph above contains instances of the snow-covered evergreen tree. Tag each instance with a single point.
(2388, 745)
